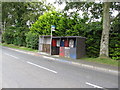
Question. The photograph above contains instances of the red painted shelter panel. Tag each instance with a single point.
(54, 43)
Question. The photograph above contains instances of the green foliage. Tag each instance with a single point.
(64, 24)
(14, 35)
(7, 37)
(115, 39)
(115, 47)
(32, 40)
(17, 18)
(93, 35)
(44, 22)
(19, 36)
(19, 13)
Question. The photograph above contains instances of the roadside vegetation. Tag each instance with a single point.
(18, 47)
(23, 22)
(107, 61)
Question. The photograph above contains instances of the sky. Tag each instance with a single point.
(61, 7)
(57, 6)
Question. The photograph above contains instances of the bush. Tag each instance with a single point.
(15, 35)
(19, 36)
(114, 46)
(32, 40)
(7, 37)
(93, 34)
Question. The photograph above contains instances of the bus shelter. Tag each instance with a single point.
(64, 46)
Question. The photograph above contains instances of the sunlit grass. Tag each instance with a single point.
(108, 61)
(18, 47)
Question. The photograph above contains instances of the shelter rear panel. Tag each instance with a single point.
(55, 51)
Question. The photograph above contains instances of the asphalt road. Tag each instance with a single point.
(21, 70)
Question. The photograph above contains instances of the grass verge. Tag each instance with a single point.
(107, 61)
(18, 47)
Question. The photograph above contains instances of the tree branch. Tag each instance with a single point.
(112, 19)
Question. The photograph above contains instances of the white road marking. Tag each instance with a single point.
(95, 86)
(12, 56)
(49, 57)
(41, 67)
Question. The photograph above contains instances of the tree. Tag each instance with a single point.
(20, 13)
(43, 24)
(104, 46)
(18, 17)
(65, 25)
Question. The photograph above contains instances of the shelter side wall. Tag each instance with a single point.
(80, 46)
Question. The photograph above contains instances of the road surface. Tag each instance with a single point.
(21, 70)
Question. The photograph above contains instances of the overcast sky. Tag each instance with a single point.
(60, 7)
(57, 6)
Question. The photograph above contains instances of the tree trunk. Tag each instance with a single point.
(104, 46)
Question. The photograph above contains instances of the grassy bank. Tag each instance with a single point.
(107, 61)
(18, 47)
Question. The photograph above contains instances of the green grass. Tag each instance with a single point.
(108, 61)
(18, 47)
